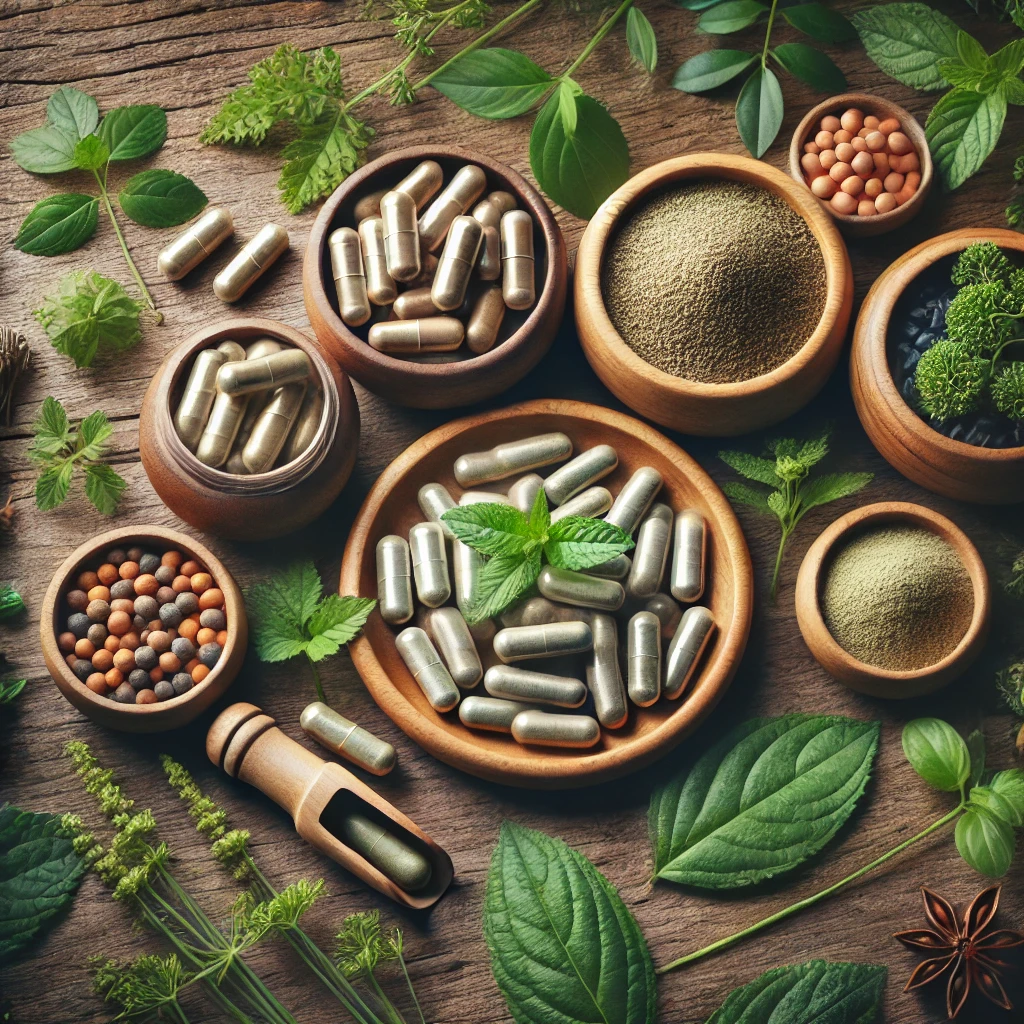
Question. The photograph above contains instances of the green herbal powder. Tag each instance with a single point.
(898, 598)
(714, 281)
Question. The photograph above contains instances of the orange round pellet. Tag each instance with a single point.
(107, 573)
(119, 623)
(845, 153)
(888, 126)
(912, 180)
(199, 673)
(908, 162)
(844, 203)
(181, 584)
(824, 139)
(853, 185)
(112, 643)
(190, 568)
(191, 664)
(875, 141)
(97, 684)
(859, 145)
(128, 570)
(881, 161)
(122, 604)
(864, 133)
(852, 120)
(893, 182)
(871, 122)
(206, 636)
(114, 678)
(201, 582)
(155, 626)
(130, 641)
(103, 660)
(145, 697)
(170, 662)
(87, 580)
(99, 593)
(862, 164)
(155, 675)
(812, 168)
(866, 208)
(124, 660)
(812, 147)
(838, 171)
(171, 558)
(827, 158)
(830, 123)
(212, 598)
(146, 585)
(222, 637)
(842, 136)
(85, 648)
(900, 144)
(873, 187)
(188, 629)
(886, 203)
(66, 642)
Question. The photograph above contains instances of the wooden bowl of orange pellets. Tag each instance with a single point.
(866, 159)
(143, 630)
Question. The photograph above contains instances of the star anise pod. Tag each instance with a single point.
(963, 951)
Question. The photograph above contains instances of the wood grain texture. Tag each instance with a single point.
(185, 55)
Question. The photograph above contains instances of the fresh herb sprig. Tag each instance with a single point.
(10, 690)
(793, 495)
(11, 603)
(1015, 209)
(57, 448)
(516, 547)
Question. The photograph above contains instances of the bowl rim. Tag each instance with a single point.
(726, 166)
(234, 608)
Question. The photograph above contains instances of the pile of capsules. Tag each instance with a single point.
(395, 245)
(576, 613)
(143, 627)
(245, 410)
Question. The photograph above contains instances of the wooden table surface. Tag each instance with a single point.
(186, 55)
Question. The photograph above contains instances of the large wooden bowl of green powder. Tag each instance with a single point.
(893, 600)
(712, 294)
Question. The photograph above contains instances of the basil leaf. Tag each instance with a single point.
(91, 153)
(493, 83)
(568, 90)
(759, 110)
(161, 199)
(641, 40)
(987, 799)
(563, 946)
(59, 224)
(711, 69)
(1010, 786)
(906, 41)
(813, 993)
(820, 23)
(976, 751)
(489, 527)
(811, 66)
(131, 132)
(46, 150)
(768, 796)
(578, 170)
(985, 842)
(73, 112)
(731, 16)
(962, 130)
(937, 752)
(577, 542)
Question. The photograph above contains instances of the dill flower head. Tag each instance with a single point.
(361, 944)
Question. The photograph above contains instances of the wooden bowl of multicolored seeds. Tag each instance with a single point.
(143, 628)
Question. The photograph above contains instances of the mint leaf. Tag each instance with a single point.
(11, 602)
(490, 528)
(1009, 61)
(494, 83)
(540, 516)
(820, 23)
(57, 225)
(577, 542)
(503, 580)
(91, 153)
(93, 433)
(759, 110)
(811, 66)
(985, 842)
(907, 40)
(971, 52)
(962, 130)
(753, 467)
(279, 610)
(831, 487)
(937, 752)
(133, 132)
(53, 485)
(335, 622)
(747, 496)
(73, 112)
(956, 73)
(731, 16)
(52, 429)
(1013, 90)
(103, 487)
(46, 150)
(641, 40)
(161, 199)
(711, 69)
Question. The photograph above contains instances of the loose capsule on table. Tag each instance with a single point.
(651, 552)
(521, 684)
(548, 729)
(306, 426)
(349, 276)
(342, 736)
(389, 854)
(579, 473)
(594, 501)
(409, 337)
(429, 564)
(523, 493)
(401, 237)
(490, 713)
(519, 643)
(286, 367)
(577, 588)
(687, 578)
(455, 643)
(426, 667)
(633, 501)
(692, 635)
(461, 248)
(434, 500)
(195, 243)
(198, 397)
(422, 182)
(251, 262)
(511, 457)
(221, 429)
(394, 579)
(380, 286)
(485, 321)
(603, 674)
(272, 427)
(517, 263)
(643, 658)
(456, 198)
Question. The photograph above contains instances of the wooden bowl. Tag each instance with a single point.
(437, 385)
(869, 679)
(168, 714)
(263, 505)
(689, 406)
(993, 476)
(851, 224)
(391, 508)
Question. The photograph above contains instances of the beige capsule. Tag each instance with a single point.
(251, 262)
(305, 427)
(289, 366)
(257, 403)
(603, 675)
(651, 554)
(454, 641)
(380, 287)
(467, 563)
(688, 556)
(388, 853)
(488, 213)
(429, 564)
(342, 736)
(401, 238)
(461, 248)
(263, 347)
(232, 350)
(422, 182)
(394, 579)
(195, 243)
(511, 457)
(517, 260)
(349, 276)
(635, 498)
(198, 397)
(667, 611)
(415, 304)
(504, 201)
(643, 658)
(519, 643)
(579, 473)
(485, 321)
(617, 568)
(577, 588)
(692, 636)
(510, 683)
(456, 198)
(594, 501)
(426, 667)
(428, 267)
(434, 500)
(490, 713)
(408, 337)
(488, 266)
(523, 493)
(550, 729)
(484, 497)
(369, 205)
(271, 429)
(221, 429)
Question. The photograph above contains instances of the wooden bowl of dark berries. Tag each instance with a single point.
(143, 628)
(929, 404)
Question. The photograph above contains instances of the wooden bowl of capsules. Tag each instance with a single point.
(435, 276)
(497, 699)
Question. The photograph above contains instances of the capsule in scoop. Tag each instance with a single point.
(456, 198)
(519, 643)
(687, 577)
(633, 501)
(272, 427)
(643, 658)
(426, 667)
(380, 288)
(579, 473)
(394, 579)
(548, 729)
(577, 588)
(592, 502)
(410, 337)
(422, 182)
(455, 643)
(485, 321)
(198, 397)
(342, 736)
(490, 713)
(232, 350)
(252, 261)
(461, 248)
(389, 854)
(651, 552)
(517, 262)
(429, 564)
(286, 367)
(401, 238)
(195, 243)
(692, 636)
(349, 277)
(511, 457)
(603, 675)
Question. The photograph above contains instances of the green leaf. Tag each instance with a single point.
(759, 110)
(976, 752)
(503, 580)
(133, 132)
(962, 130)
(752, 467)
(937, 752)
(52, 428)
(93, 433)
(762, 800)
(46, 150)
(907, 40)
(813, 993)
(564, 948)
(731, 16)
(10, 690)
(811, 66)
(540, 517)
(711, 69)
(641, 40)
(53, 484)
(494, 83)
(489, 527)
(985, 842)
(971, 52)
(695, 5)
(1013, 90)
(959, 74)
(91, 153)
(1009, 61)
(577, 542)
(39, 873)
(161, 199)
(831, 487)
(747, 496)
(59, 224)
(1010, 786)
(820, 23)
(579, 171)
(73, 112)
(280, 609)
(11, 603)
(567, 93)
(336, 621)
(987, 799)
(103, 487)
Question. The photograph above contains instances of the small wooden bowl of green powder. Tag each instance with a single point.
(893, 600)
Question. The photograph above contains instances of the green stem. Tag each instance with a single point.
(595, 42)
(778, 564)
(412, 991)
(768, 33)
(316, 680)
(781, 915)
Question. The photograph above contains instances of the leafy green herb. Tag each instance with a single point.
(938, 753)
(793, 495)
(641, 40)
(161, 199)
(11, 603)
(563, 945)
(57, 448)
(1015, 211)
(289, 616)
(10, 690)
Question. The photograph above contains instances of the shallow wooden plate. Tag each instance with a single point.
(651, 732)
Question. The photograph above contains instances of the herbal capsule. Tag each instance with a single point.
(406, 867)
(490, 713)
(429, 564)
(651, 552)
(422, 182)
(405, 337)
(232, 350)
(536, 611)
(577, 588)
(504, 201)
(198, 397)
(547, 729)
(414, 304)
(428, 267)
(488, 267)
(520, 684)
(643, 658)
(487, 213)
(434, 500)
(271, 429)
(467, 563)
(263, 347)
(394, 579)
(341, 736)
(485, 321)
(667, 611)
(195, 243)
(368, 205)
(455, 642)
(456, 198)
(221, 429)
(461, 248)
(523, 493)
(692, 635)
(250, 263)
(617, 568)
(517, 268)
(380, 287)
(579, 473)
(633, 501)
(511, 457)
(517, 643)
(594, 501)
(483, 497)
(306, 425)
(349, 277)
(687, 579)
(401, 238)
(427, 669)
(273, 371)
(603, 675)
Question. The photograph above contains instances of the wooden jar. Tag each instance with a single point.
(263, 505)
(992, 476)
(437, 385)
